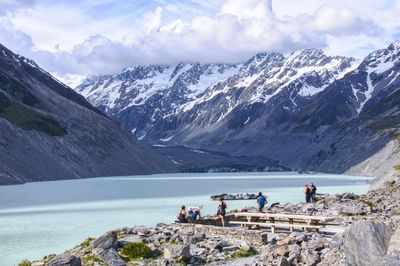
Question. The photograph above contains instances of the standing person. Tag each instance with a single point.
(221, 212)
(313, 192)
(261, 200)
(307, 193)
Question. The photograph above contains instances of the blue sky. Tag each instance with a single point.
(72, 39)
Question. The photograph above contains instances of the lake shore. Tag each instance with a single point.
(372, 219)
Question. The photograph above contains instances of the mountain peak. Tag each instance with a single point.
(396, 44)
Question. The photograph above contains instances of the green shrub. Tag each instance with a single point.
(242, 253)
(24, 263)
(397, 213)
(135, 251)
(396, 167)
(392, 183)
(397, 137)
(86, 243)
(369, 203)
(49, 257)
(90, 260)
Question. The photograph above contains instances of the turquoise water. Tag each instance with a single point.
(50, 217)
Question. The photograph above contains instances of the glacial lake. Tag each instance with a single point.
(41, 218)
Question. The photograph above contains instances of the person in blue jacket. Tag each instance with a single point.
(261, 200)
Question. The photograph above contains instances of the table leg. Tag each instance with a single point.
(291, 227)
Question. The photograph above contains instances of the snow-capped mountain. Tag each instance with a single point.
(305, 110)
(141, 96)
(160, 102)
(360, 90)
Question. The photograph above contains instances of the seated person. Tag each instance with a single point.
(194, 212)
(182, 216)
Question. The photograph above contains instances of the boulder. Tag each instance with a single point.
(244, 196)
(64, 260)
(366, 243)
(266, 254)
(274, 204)
(394, 243)
(391, 259)
(282, 251)
(110, 256)
(230, 248)
(178, 253)
(311, 258)
(222, 244)
(196, 238)
(245, 246)
(283, 262)
(129, 239)
(198, 251)
(106, 241)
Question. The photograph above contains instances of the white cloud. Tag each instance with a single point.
(248, 8)
(67, 40)
(12, 5)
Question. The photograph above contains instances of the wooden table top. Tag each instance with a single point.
(283, 216)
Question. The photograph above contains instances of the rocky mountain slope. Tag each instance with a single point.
(307, 110)
(49, 132)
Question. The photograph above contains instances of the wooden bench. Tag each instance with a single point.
(273, 226)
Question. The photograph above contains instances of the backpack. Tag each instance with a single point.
(262, 200)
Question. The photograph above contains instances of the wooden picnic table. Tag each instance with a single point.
(291, 221)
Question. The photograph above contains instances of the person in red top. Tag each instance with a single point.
(307, 193)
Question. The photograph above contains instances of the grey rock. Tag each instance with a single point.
(317, 244)
(230, 248)
(245, 246)
(175, 252)
(283, 262)
(311, 258)
(222, 244)
(129, 239)
(394, 243)
(296, 249)
(196, 238)
(266, 254)
(198, 251)
(106, 241)
(110, 256)
(391, 259)
(366, 243)
(64, 260)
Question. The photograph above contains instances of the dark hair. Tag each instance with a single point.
(259, 193)
(183, 207)
(221, 198)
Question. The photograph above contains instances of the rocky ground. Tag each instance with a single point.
(370, 236)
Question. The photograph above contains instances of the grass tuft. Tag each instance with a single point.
(369, 203)
(241, 253)
(25, 263)
(134, 251)
(86, 243)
